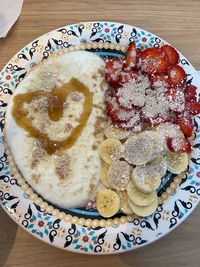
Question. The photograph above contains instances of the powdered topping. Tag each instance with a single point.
(142, 148)
(133, 93)
(119, 174)
(62, 166)
(155, 103)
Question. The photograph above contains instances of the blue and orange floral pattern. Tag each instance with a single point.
(70, 229)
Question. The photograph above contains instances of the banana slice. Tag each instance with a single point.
(177, 162)
(107, 203)
(119, 174)
(104, 178)
(112, 131)
(146, 178)
(111, 149)
(139, 198)
(143, 211)
(142, 148)
(169, 129)
(161, 164)
(124, 207)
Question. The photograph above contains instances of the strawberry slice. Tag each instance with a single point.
(176, 144)
(131, 56)
(138, 58)
(159, 80)
(132, 123)
(154, 60)
(186, 124)
(190, 93)
(126, 76)
(117, 114)
(176, 99)
(128, 99)
(112, 71)
(176, 75)
(171, 53)
(192, 107)
(158, 119)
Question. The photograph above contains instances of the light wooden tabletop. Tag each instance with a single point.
(178, 22)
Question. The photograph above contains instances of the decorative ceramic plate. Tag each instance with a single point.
(84, 230)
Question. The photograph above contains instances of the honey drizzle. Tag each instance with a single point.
(56, 100)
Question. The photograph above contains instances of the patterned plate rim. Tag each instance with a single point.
(71, 236)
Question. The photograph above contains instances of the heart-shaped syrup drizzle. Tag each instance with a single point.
(56, 99)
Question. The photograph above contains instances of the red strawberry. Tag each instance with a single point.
(159, 79)
(176, 75)
(171, 53)
(117, 114)
(129, 125)
(127, 75)
(155, 120)
(186, 124)
(190, 93)
(175, 97)
(178, 144)
(154, 60)
(126, 98)
(192, 107)
(138, 58)
(131, 56)
(112, 70)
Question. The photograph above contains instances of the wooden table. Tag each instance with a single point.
(176, 21)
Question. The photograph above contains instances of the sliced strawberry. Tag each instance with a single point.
(176, 75)
(132, 123)
(186, 124)
(159, 80)
(154, 60)
(171, 53)
(138, 58)
(126, 76)
(177, 144)
(131, 56)
(190, 93)
(176, 99)
(156, 120)
(192, 107)
(112, 71)
(128, 99)
(117, 114)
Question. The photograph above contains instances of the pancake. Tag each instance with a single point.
(54, 150)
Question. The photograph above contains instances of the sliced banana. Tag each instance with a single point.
(112, 131)
(119, 174)
(111, 149)
(104, 178)
(142, 148)
(160, 163)
(144, 211)
(177, 162)
(146, 178)
(139, 198)
(124, 207)
(169, 129)
(107, 202)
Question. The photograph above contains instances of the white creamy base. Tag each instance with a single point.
(76, 189)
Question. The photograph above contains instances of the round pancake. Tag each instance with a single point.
(70, 179)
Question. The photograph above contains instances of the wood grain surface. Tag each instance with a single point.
(178, 22)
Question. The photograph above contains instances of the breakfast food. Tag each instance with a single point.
(49, 118)
(57, 128)
(151, 109)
